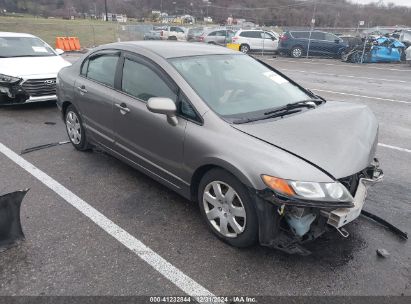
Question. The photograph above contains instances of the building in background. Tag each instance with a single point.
(114, 17)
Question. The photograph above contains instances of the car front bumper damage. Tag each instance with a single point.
(286, 223)
(12, 94)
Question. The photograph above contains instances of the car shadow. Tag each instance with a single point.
(29, 106)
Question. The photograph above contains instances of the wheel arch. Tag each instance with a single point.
(216, 164)
(245, 43)
(64, 107)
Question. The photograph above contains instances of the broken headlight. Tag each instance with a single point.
(334, 191)
(6, 79)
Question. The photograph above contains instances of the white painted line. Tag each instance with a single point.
(362, 96)
(358, 66)
(343, 75)
(176, 276)
(395, 148)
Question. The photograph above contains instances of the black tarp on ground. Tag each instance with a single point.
(10, 226)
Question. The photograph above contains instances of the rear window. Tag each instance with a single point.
(251, 34)
(101, 68)
(318, 35)
(300, 34)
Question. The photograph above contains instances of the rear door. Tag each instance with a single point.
(142, 137)
(317, 43)
(94, 94)
(221, 37)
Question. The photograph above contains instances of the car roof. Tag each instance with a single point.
(253, 30)
(10, 34)
(170, 49)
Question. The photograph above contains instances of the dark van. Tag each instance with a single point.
(295, 44)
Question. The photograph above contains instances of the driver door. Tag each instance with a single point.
(144, 138)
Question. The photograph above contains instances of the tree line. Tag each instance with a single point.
(327, 13)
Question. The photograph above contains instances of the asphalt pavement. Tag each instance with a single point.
(66, 253)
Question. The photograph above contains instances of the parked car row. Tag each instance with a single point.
(293, 43)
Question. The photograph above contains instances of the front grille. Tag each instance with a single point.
(40, 87)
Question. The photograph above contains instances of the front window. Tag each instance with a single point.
(237, 86)
(24, 47)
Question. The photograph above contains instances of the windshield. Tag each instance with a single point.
(234, 85)
(24, 47)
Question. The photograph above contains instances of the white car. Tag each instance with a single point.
(174, 33)
(28, 69)
(256, 40)
(408, 55)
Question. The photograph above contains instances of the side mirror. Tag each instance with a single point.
(166, 106)
(337, 40)
(59, 51)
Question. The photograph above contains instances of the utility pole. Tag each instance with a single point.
(312, 27)
(105, 7)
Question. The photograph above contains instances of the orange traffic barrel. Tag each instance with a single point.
(66, 44)
(71, 43)
(59, 43)
(75, 43)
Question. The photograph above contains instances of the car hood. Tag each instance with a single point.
(338, 137)
(32, 66)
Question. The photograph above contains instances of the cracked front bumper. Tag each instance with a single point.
(342, 216)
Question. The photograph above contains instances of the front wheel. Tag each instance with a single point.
(228, 208)
(75, 129)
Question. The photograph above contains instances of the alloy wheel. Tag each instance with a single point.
(297, 52)
(73, 127)
(224, 209)
(245, 49)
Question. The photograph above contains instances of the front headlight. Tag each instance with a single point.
(334, 191)
(6, 79)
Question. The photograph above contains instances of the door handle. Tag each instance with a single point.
(123, 108)
(82, 89)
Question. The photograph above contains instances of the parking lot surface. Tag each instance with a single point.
(65, 253)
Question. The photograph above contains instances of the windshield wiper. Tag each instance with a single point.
(310, 103)
(282, 111)
(277, 114)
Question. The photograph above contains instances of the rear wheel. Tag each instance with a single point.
(228, 208)
(245, 48)
(75, 129)
(297, 52)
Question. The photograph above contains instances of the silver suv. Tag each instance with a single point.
(256, 40)
(220, 37)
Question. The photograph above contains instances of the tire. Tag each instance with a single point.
(75, 129)
(245, 48)
(297, 52)
(233, 220)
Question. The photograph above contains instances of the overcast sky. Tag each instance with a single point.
(398, 2)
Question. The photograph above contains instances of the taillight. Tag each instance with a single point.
(201, 38)
(283, 38)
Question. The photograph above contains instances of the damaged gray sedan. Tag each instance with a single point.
(265, 159)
